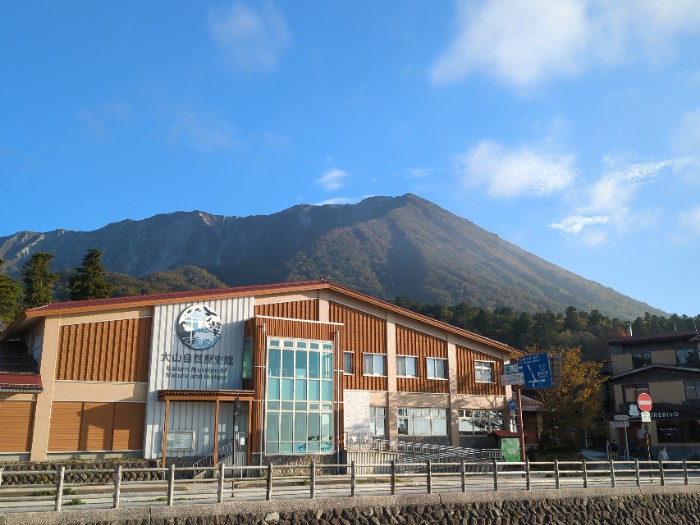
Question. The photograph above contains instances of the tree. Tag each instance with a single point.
(90, 281)
(38, 280)
(572, 412)
(10, 298)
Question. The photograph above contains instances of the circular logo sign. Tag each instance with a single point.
(644, 402)
(199, 327)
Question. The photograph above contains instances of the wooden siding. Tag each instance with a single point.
(412, 342)
(85, 426)
(128, 426)
(105, 351)
(361, 333)
(307, 310)
(466, 383)
(16, 422)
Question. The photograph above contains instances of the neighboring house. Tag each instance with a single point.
(292, 368)
(667, 367)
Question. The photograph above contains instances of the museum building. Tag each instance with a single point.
(287, 369)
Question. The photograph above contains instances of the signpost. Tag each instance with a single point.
(536, 370)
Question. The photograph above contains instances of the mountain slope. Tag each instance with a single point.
(384, 246)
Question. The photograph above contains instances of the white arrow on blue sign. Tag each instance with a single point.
(537, 371)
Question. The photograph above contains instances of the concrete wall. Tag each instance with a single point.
(645, 506)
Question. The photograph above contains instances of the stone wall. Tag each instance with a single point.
(643, 506)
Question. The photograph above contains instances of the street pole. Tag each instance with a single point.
(521, 430)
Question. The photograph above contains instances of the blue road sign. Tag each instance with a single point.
(536, 370)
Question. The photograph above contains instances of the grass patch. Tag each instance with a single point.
(75, 502)
(68, 491)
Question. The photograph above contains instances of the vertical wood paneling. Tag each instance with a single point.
(362, 333)
(421, 345)
(16, 422)
(105, 351)
(307, 310)
(466, 382)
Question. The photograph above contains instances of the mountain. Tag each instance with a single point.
(383, 246)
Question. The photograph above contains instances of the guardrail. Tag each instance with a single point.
(335, 481)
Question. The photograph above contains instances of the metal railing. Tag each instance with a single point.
(333, 481)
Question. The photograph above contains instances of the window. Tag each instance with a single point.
(669, 433)
(437, 368)
(475, 422)
(373, 364)
(631, 392)
(692, 389)
(407, 366)
(248, 358)
(422, 421)
(687, 356)
(377, 421)
(483, 370)
(347, 363)
(299, 397)
(640, 359)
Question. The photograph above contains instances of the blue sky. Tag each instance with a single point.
(570, 128)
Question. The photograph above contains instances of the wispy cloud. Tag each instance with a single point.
(339, 200)
(251, 39)
(508, 173)
(97, 119)
(528, 42)
(609, 203)
(201, 130)
(333, 179)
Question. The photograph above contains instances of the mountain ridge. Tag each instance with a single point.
(384, 246)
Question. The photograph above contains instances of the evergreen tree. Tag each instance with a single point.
(10, 298)
(90, 281)
(38, 280)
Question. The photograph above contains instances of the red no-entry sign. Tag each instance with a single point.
(644, 402)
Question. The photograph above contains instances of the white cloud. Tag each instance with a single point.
(609, 202)
(338, 200)
(333, 179)
(252, 40)
(511, 173)
(528, 42)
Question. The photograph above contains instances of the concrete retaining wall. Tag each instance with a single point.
(645, 506)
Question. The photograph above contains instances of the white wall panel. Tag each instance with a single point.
(174, 366)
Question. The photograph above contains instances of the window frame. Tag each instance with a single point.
(492, 368)
(374, 356)
(435, 416)
(477, 414)
(405, 358)
(435, 376)
(641, 362)
(352, 362)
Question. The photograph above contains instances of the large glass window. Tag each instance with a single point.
(640, 359)
(475, 422)
(299, 397)
(406, 366)
(687, 357)
(422, 421)
(437, 368)
(377, 421)
(373, 364)
(483, 371)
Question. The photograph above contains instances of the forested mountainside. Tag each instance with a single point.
(384, 246)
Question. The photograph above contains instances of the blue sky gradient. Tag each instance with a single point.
(568, 127)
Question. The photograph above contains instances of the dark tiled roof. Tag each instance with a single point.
(654, 338)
